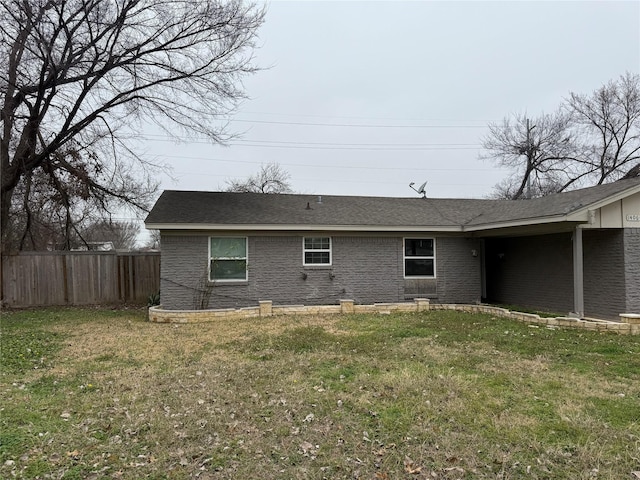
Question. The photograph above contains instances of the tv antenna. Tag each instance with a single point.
(420, 190)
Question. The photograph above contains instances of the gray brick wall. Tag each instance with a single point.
(369, 269)
(604, 282)
(537, 272)
(632, 269)
(366, 269)
(457, 270)
(183, 266)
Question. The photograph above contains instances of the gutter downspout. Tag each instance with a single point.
(578, 274)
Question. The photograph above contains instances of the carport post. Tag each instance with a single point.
(578, 274)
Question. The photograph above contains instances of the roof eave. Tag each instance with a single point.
(578, 217)
(584, 210)
(295, 227)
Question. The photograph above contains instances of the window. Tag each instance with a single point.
(228, 258)
(419, 257)
(316, 250)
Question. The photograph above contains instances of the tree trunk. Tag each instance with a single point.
(5, 205)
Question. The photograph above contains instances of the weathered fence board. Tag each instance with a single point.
(78, 278)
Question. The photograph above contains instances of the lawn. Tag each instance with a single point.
(93, 394)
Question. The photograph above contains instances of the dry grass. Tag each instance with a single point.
(436, 395)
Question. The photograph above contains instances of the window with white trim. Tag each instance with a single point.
(228, 259)
(316, 250)
(419, 258)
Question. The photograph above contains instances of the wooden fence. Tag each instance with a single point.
(32, 279)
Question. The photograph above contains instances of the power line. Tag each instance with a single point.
(352, 117)
(366, 144)
(372, 148)
(355, 125)
(330, 145)
(334, 180)
(344, 146)
(325, 166)
(340, 144)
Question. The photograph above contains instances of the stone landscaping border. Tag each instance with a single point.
(629, 324)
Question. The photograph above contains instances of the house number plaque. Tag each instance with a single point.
(633, 218)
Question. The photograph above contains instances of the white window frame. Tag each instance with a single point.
(245, 258)
(421, 257)
(328, 250)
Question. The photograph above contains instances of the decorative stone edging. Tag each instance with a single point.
(632, 318)
(630, 323)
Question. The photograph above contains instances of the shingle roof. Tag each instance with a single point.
(224, 208)
(556, 204)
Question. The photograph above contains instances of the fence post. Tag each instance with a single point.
(132, 273)
(65, 280)
(1, 279)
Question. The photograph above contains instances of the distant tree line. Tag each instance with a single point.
(92, 234)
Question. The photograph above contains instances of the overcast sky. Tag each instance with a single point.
(362, 98)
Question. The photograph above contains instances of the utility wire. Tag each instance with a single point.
(326, 145)
(382, 149)
(349, 181)
(365, 144)
(325, 166)
(354, 125)
(359, 117)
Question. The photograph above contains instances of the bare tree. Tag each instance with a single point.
(46, 211)
(78, 77)
(609, 122)
(270, 179)
(153, 243)
(538, 151)
(592, 139)
(52, 207)
(123, 234)
(632, 173)
(507, 189)
(202, 291)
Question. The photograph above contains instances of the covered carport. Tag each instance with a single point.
(574, 253)
(571, 270)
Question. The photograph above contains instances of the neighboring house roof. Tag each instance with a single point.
(225, 210)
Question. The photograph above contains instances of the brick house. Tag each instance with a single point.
(576, 251)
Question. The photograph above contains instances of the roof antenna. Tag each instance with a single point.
(420, 190)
